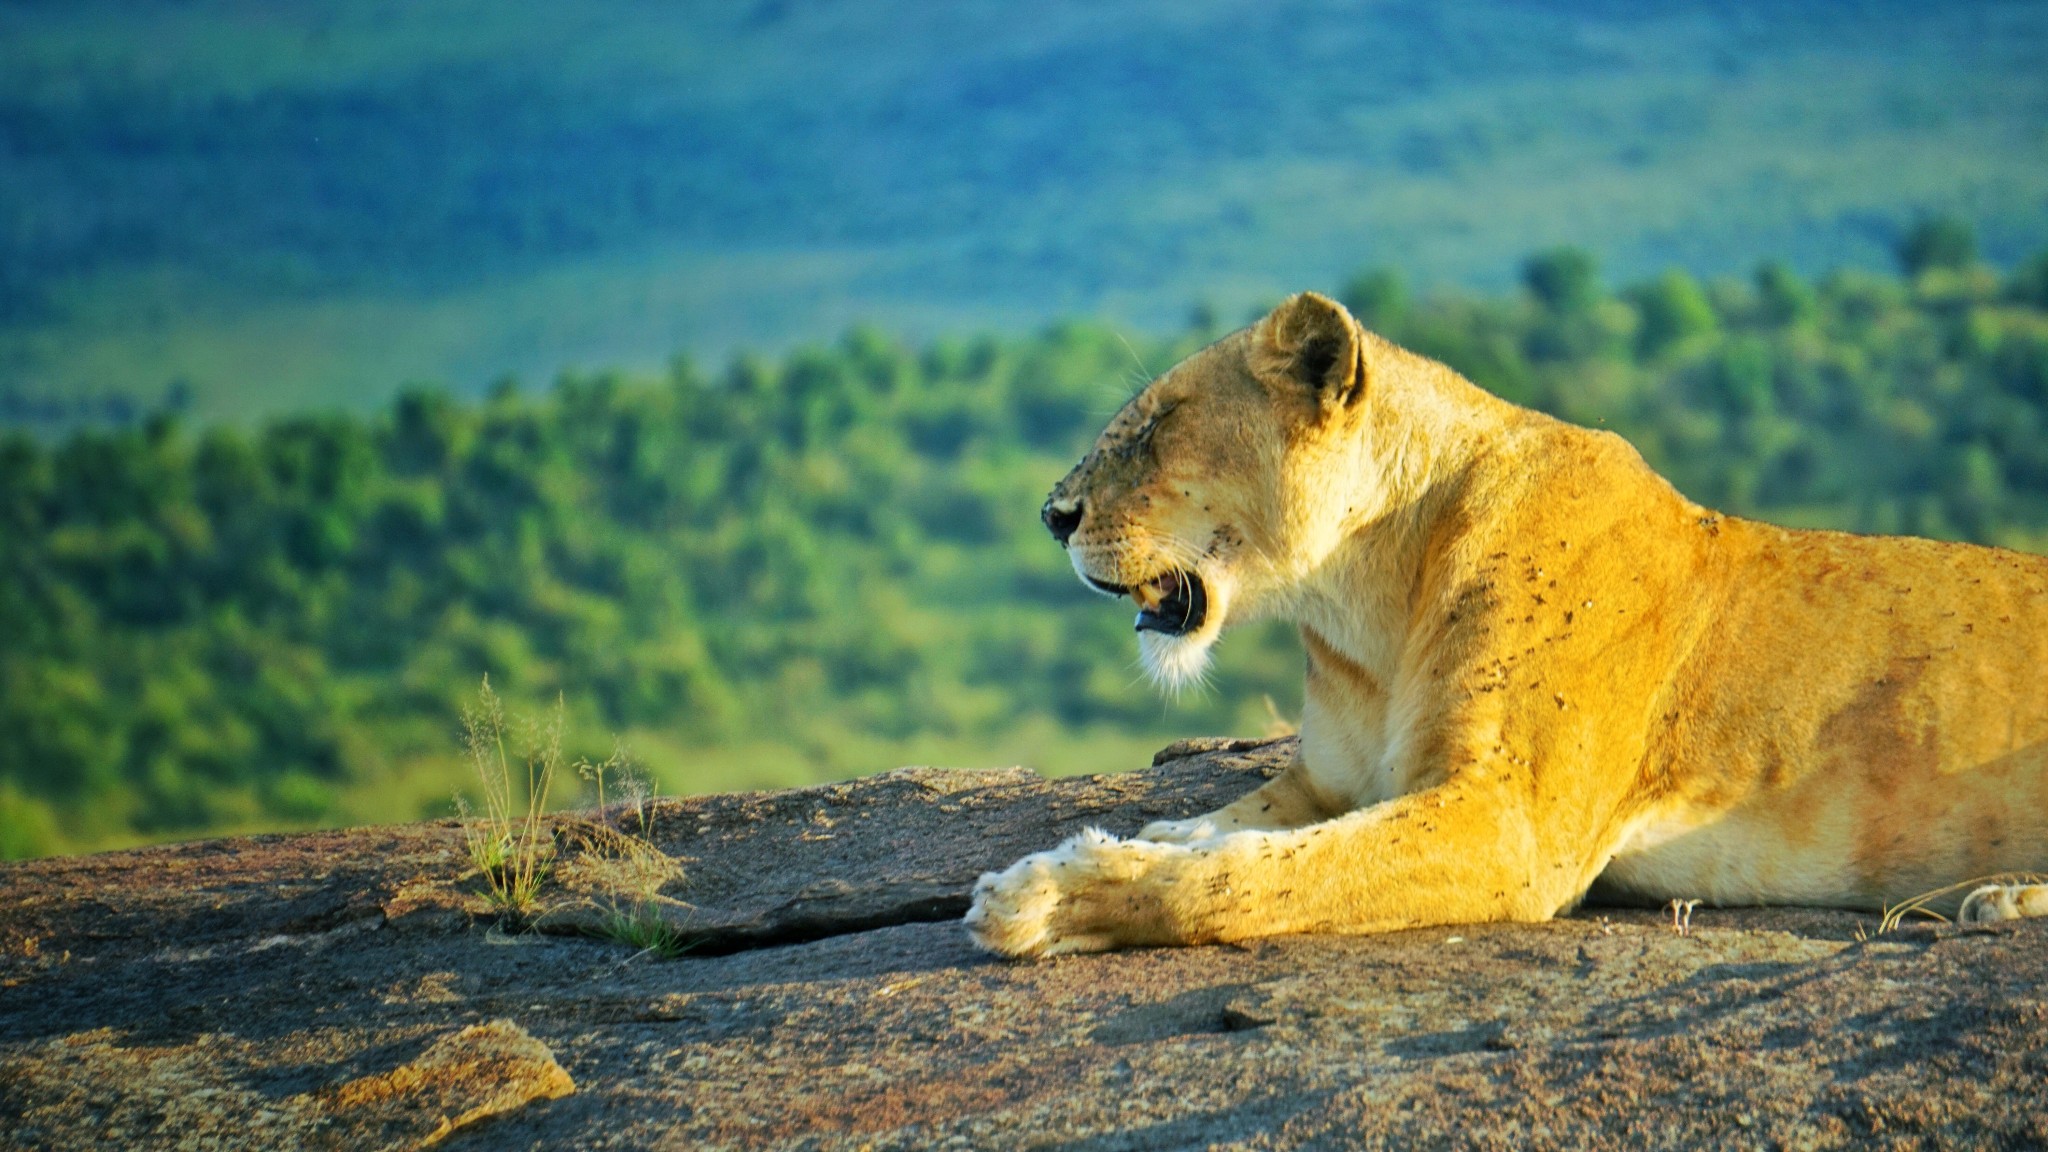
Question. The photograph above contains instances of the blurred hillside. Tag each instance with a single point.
(254, 207)
(829, 563)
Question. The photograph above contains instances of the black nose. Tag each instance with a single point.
(1061, 524)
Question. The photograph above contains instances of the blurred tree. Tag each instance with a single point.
(1566, 284)
(1564, 280)
(1937, 241)
(1378, 297)
(1674, 309)
(1784, 299)
(2029, 283)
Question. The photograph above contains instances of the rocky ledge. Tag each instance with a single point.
(786, 970)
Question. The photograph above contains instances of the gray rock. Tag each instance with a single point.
(351, 988)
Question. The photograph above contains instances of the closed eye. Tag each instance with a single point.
(1152, 425)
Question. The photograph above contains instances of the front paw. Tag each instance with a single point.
(1088, 895)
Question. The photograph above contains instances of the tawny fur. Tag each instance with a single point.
(1532, 666)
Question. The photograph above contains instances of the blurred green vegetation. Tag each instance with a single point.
(830, 562)
(286, 204)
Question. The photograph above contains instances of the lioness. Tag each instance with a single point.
(1532, 665)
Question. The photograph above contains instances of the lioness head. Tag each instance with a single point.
(1226, 482)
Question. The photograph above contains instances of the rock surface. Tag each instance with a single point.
(352, 990)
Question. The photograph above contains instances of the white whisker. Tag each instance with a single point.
(1144, 372)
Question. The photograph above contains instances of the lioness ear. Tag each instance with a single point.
(1311, 340)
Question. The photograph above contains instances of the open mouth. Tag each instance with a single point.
(1175, 603)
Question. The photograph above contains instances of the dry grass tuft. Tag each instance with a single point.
(1277, 725)
(509, 842)
(514, 848)
(632, 872)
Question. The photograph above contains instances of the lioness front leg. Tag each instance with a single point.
(1443, 856)
(1289, 800)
